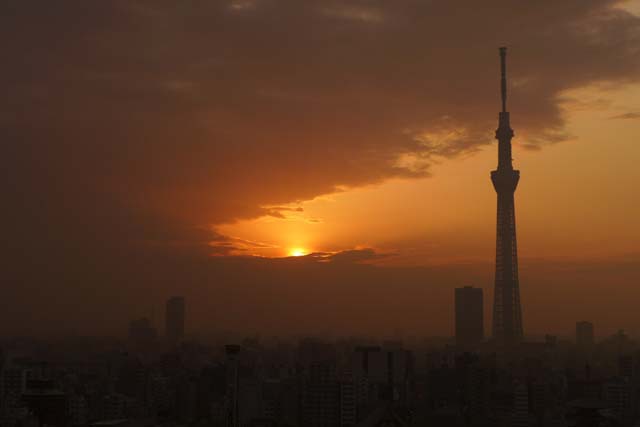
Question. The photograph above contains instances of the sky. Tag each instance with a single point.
(158, 148)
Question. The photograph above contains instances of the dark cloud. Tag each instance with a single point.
(208, 110)
(350, 256)
(129, 126)
(222, 245)
(281, 211)
(358, 256)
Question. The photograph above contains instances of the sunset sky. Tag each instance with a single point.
(314, 166)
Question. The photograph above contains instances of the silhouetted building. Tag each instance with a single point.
(618, 393)
(520, 414)
(586, 412)
(78, 410)
(174, 319)
(627, 366)
(233, 385)
(320, 402)
(542, 401)
(474, 381)
(47, 403)
(469, 316)
(13, 381)
(507, 314)
(348, 404)
(584, 334)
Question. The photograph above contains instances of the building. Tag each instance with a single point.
(320, 403)
(584, 335)
(78, 410)
(348, 403)
(114, 406)
(540, 399)
(47, 403)
(617, 392)
(474, 383)
(627, 367)
(469, 316)
(520, 414)
(174, 319)
(13, 381)
(233, 385)
(507, 314)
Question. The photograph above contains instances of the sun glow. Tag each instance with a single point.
(298, 252)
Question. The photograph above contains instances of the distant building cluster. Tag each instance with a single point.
(147, 380)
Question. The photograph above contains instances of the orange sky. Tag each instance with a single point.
(576, 199)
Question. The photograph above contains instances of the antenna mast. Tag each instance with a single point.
(503, 80)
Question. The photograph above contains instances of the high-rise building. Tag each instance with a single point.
(469, 316)
(174, 319)
(507, 314)
(584, 334)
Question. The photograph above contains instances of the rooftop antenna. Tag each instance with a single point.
(503, 79)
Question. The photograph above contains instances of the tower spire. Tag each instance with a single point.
(504, 133)
(503, 79)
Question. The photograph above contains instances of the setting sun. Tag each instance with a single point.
(298, 252)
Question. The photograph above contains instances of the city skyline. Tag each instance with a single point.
(289, 213)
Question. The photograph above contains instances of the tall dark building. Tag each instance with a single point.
(174, 319)
(507, 314)
(469, 316)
